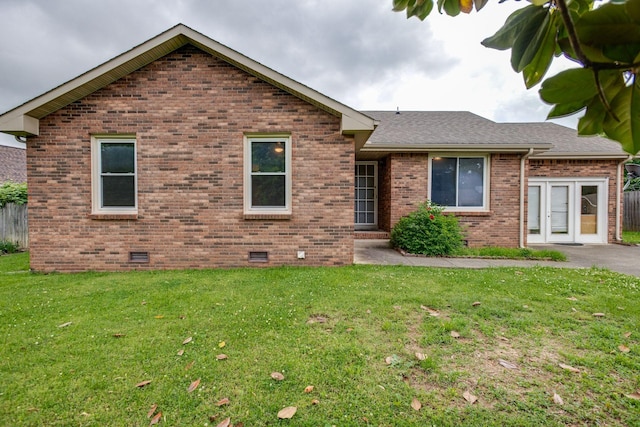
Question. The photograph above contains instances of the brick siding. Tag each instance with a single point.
(189, 112)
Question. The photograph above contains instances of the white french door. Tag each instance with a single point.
(567, 211)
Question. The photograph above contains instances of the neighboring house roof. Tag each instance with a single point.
(464, 131)
(13, 164)
(24, 120)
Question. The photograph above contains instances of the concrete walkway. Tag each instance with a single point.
(621, 258)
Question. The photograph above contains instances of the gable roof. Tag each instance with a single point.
(23, 120)
(13, 164)
(415, 131)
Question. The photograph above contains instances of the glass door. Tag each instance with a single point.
(366, 196)
(560, 214)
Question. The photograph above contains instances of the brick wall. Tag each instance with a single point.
(583, 169)
(189, 112)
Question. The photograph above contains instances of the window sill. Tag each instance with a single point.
(267, 216)
(469, 213)
(114, 216)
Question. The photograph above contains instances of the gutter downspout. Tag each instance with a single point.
(523, 159)
(619, 178)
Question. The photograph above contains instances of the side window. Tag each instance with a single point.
(267, 174)
(114, 175)
(459, 182)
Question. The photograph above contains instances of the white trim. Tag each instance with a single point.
(288, 148)
(485, 179)
(96, 181)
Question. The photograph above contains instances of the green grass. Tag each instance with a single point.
(331, 328)
(632, 237)
(512, 253)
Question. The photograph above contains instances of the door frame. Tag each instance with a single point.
(574, 234)
(374, 225)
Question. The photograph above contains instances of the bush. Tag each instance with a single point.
(428, 231)
(13, 192)
(7, 247)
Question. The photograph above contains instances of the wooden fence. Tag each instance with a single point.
(13, 224)
(631, 217)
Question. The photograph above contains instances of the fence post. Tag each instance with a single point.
(14, 225)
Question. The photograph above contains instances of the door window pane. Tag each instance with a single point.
(559, 209)
(589, 209)
(533, 211)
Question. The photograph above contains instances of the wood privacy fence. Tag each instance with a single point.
(13, 224)
(631, 216)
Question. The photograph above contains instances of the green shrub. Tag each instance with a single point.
(13, 192)
(7, 247)
(428, 231)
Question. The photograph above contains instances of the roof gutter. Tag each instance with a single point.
(420, 148)
(619, 179)
(523, 183)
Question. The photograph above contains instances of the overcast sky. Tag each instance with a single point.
(358, 52)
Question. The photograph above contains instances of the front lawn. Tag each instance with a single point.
(360, 345)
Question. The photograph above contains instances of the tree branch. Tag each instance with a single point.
(571, 32)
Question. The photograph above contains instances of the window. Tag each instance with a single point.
(268, 174)
(114, 175)
(460, 182)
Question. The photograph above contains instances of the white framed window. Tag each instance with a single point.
(114, 174)
(267, 164)
(460, 182)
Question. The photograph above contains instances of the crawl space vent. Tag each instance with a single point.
(139, 257)
(258, 256)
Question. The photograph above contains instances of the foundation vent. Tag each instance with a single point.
(139, 257)
(258, 256)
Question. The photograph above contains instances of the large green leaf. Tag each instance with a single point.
(451, 7)
(607, 25)
(539, 64)
(504, 38)
(569, 86)
(625, 127)
(420, 9)
(563, 110)
(633, 9)
(400, 5)
(529, 41)
(591, 122)
(479, 4)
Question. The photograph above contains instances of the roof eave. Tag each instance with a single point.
(583, 156)
(421, 148)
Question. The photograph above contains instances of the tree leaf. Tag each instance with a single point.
(155, 420)
(222, 357)
(623, 348)
(469, 397)
(507, 364)
(625, 130)
(421, 356)
(530, 39)
(415, 404)
(475, 304)
(152, 410)
(569, 368)
(479, 4)
(194, 385)
(455, 334)
(180, 352)
(187, 340)
(421, 9)
(609, 24)
(308, 389)
(400, 5)
(221, 344)
(189, 365)
(432, 312)
(64, 325)
(223, 401)
(451, 7)
(627, 334)
(466, 6)
(143, 383)
(504, 38)
(277, 376)
(557, 399)
(287, 413)
(598, 314)
(569, 86)
(538, 66)
(225, 423)
(634, 396)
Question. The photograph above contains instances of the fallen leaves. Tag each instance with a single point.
(623, 348)
(507, 364)
(225, 423)
(64, 325)
(569, 368)
(180, 352)
(223, 401)
(287, 413)
(627, 334)
(415, 404)
(469, 397)
(421, 356)
(221, 344)
(475, 304)
(194, 385)
(221, 357)
(557, 399)
(431, 311)
(143, 383)
(455, 334)
(152, 410)
(277, 376)
(156, 419)
(598, 314)
(118, 335)
(187, 341)
(308, 389)
(634, 396)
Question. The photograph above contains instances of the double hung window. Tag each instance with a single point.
(268, 174)
(114, 175)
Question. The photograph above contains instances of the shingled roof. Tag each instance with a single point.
(465, 131)
(13, 164)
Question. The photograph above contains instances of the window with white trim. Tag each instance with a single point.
(114, 175)
(459, 182)
(267, 174)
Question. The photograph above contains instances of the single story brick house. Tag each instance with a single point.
(183, 153)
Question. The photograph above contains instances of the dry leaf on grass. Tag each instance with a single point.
(223, 401)
(431, 311)
(225, 423)
(397, 307)
(277, 376)
(506, 364)
(194, 385)
(315, 402)
(189, 365)
(623, 348)
(598, 314)
(287, 413)
(222, 344)
(415, 404)
(222, 357)
(64, 325)
(627, 334)
(469, 397)
(152, 410)
(180, 352)
(475, 304)
(187, 340)
(569, 368)
(118, 335)
(308, 389)
(159, 316)
(421, 356)
(155, 420)
(572, 299)
(455, 334)
(143, 383)
(557, 399)
(634, 396)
